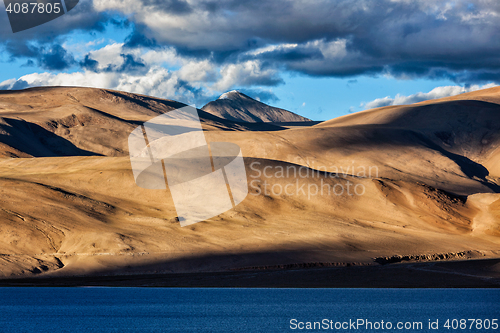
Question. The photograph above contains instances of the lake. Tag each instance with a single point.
(98, 309)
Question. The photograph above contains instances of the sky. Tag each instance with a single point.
(319, 58)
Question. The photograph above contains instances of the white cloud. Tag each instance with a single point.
(166, 56)
(198, 71)
(438, 92)
(108, 55)
(125, 6)
(7, 84)
(245, 74)
(272, 48)
(157, 82)
(331, 50)
(80, 48)
(86, 78)
(165, 74)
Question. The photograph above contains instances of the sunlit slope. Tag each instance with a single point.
(467, 125)
(84, 214)
(375, 184)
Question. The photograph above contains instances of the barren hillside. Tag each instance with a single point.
(418, 181)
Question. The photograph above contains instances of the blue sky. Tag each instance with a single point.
(321, 59)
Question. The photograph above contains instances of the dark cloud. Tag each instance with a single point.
(138, 38)
(179, 7)
(286, 55)
(440, 39)
(55, 58)
(459, 73)
(402, 38)
(261, 80)
(20, 84)
(130, 64)
(188, 94)
(50, 57)
(186, 86)
(120, 22)
(17, 85)
(29, 63)
(90, 64)
(42, 45)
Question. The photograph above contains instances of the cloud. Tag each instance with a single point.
(138, 39)
(48, 56)
(142, 70)
(198, 71)
(55, 58)
(211, 46)
(90, 64)
(435, 93)
(130, 65)
(252, 72)
(437, 39)
(433, 39)
(157, 81)
(46, 44)
(8, 84)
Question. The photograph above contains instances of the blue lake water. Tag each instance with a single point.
(245, 310)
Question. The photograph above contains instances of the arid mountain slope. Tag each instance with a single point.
(49, 121)
(365, 186)
(466, 125)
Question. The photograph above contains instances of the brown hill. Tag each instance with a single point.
(43, 122)
(466, 125)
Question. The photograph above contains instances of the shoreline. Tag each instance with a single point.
(476, 273)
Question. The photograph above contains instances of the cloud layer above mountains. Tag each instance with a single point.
(206, 46)
(451, 39)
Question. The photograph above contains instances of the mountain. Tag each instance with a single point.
(49, 121)
(409, 183)
(466, 126)
(239, 107)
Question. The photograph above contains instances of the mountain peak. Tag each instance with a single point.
(236, 106)
(234, 95)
